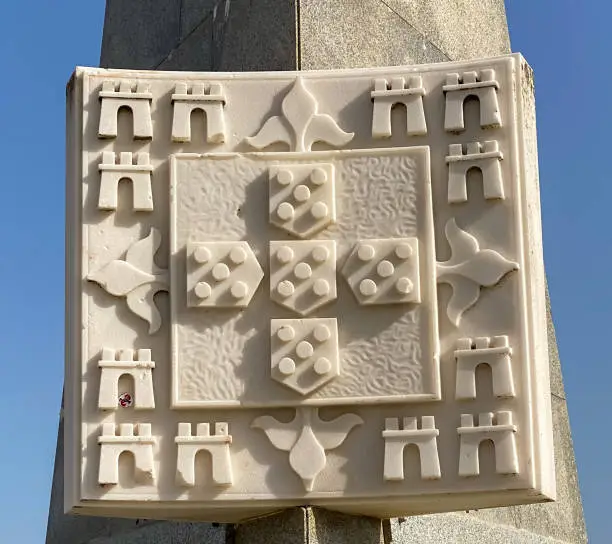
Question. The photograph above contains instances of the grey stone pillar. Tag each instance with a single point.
(229, 35)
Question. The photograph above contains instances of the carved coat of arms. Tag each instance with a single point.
(303, 275)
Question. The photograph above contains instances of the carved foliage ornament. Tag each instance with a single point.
(469, 269)
(137, 278)
(301, 125)
(307, 438)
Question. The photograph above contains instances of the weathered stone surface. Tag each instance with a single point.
(271, 35)
(461, 30)
(255, 36)
(288, 526)
(359, 34)
(462, 529)
(166, 533)
(202, 35)
(556, 377)
(196, 49)
(143, 32)
(309, 526)
(193, 13)
(333, 528)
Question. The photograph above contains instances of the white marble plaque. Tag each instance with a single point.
(330, 283)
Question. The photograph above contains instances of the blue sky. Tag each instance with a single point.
(568, 45)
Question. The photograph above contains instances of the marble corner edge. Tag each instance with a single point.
(540, 392)
(74, 341)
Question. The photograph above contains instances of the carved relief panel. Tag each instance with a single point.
(305, 288)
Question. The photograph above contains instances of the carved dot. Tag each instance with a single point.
(322, 366)
(321, 333)
(320, 287)
(366, 252)
(319, 210)
(239, 290)
(286, 333)
(285, 211)
(301, 193)
(367, 288)
(202, 290)
(385, 269)
(403, 251)
(220, 271)
(304, 350)
(284, 177)
(286, 366)
(320, 254)
(404, 285)
(285, 288)
(318, 176)
(284, 254)
(302, 271)
(238, 255)
(201, 255)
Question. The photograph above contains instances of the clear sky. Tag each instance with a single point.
(568, 42)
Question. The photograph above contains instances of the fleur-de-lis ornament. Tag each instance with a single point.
(469, 269)
(300, 126)
(137, 279)
(307, 438)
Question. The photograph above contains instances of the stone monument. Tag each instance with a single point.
(311, 525)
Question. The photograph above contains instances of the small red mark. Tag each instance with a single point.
(125, 400)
